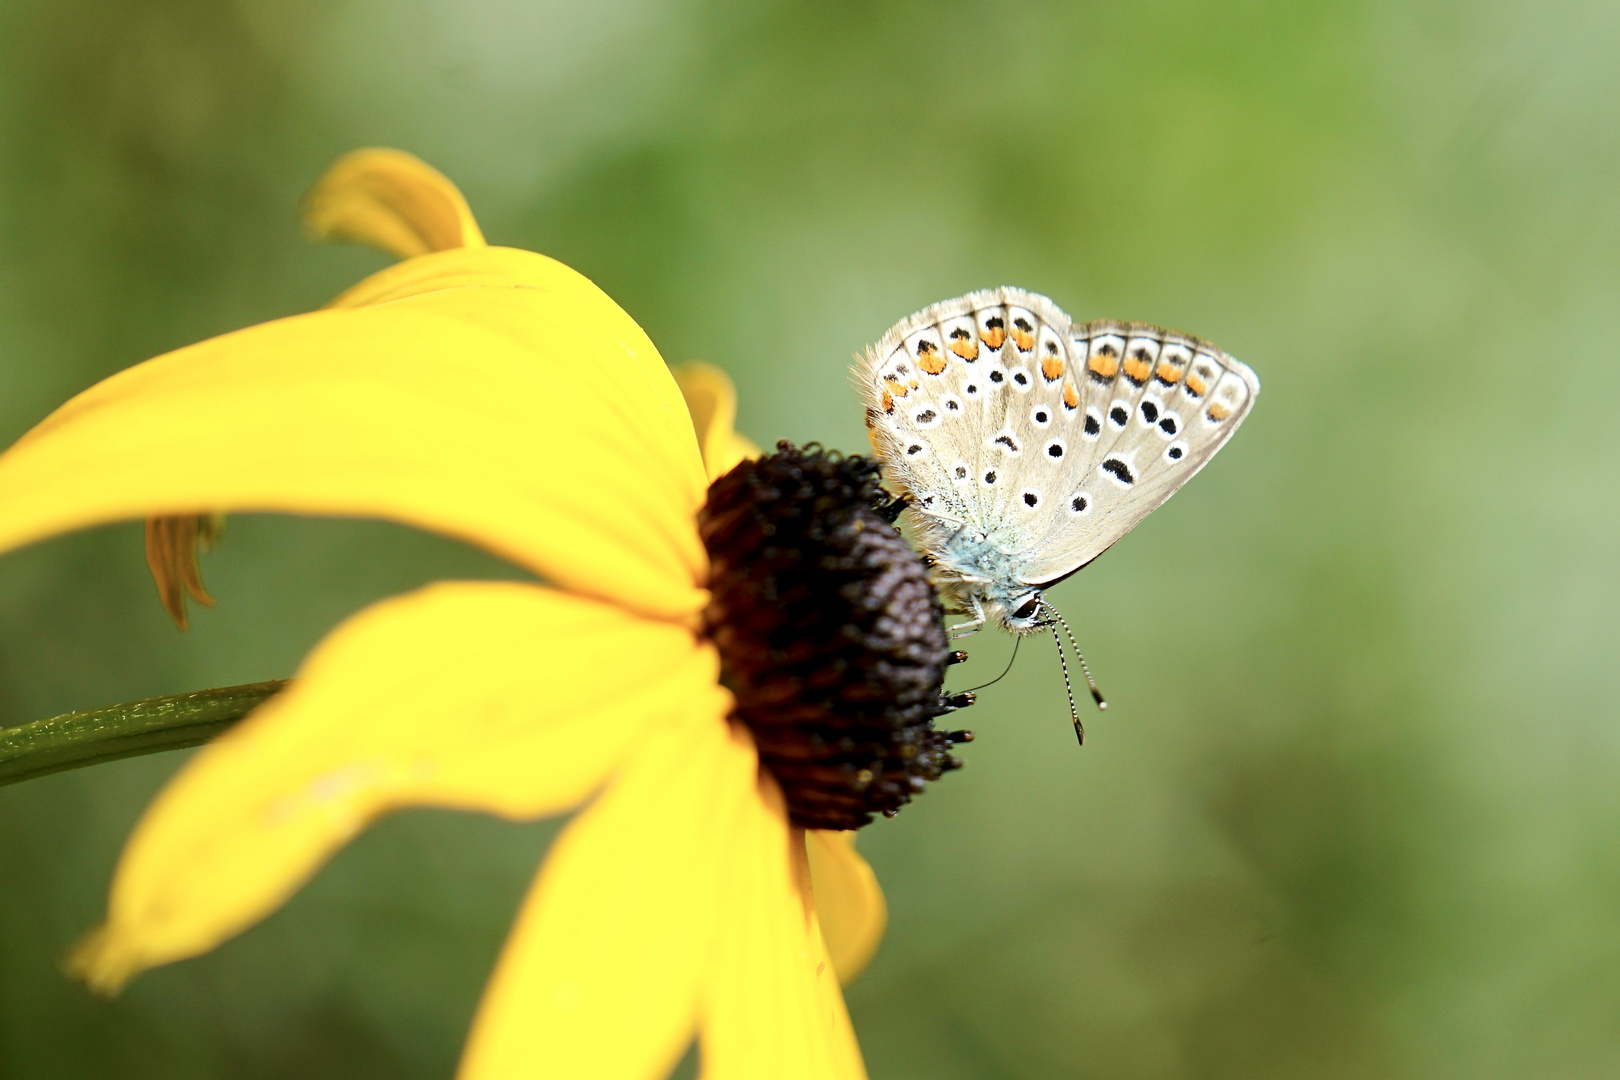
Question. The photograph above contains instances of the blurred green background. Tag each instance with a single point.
(1354, 812)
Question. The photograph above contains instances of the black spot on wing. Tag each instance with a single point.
(1120, 471)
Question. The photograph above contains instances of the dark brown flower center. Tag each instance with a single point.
(830, 635)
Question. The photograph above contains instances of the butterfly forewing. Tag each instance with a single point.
(1181, 399)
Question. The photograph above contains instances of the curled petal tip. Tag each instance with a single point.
(104, 962)
(390, 200)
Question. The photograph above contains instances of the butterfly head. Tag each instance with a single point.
(1022, 614)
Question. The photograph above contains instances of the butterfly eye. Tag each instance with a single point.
(1028, 608)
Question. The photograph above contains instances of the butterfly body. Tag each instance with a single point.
(1026, 444)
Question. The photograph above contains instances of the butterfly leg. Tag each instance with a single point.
(974, 624)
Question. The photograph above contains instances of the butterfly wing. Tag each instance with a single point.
(996, 413)
(949, 394)
(1157, 406)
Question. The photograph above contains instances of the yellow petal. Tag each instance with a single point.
(517, 418)
(509, 268)
(848, 901)
(772, 1006)
(712, 401)
(497, 696)
(602, 974)
(391, 200)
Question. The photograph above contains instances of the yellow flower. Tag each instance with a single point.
(497, 396)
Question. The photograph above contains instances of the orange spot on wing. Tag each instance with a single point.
(1137, 369)
(898, 389)
(1023, 338)
(1052, 368)
(929, 359)
(1168, 373)
(914, 384)
(1071, 396)
(1196, 386)
(995, 332)
(965, 347)
(1104, 365)
(1219, 412)
(888, 402)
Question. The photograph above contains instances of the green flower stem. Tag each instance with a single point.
(73, 740)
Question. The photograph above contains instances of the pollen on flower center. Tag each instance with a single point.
(830, 635)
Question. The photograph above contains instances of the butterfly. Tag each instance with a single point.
(1024, 444)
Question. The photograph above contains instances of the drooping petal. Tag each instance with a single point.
(386, 198)
(603, 972)
(503, 697)
(712, 400)
(391, 200)
(530, 417)
(172, 547)
(772, 1006)
(849, 901)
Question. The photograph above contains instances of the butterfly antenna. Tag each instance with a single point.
(1068, 686)
(1016, 642)
(1096, 694)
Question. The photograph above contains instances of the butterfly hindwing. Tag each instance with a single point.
(923, 404)
(931, 391)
